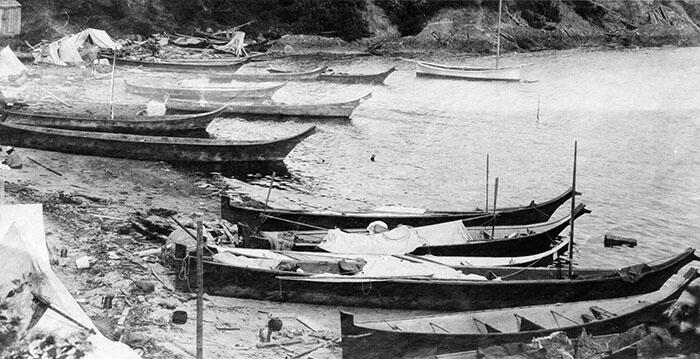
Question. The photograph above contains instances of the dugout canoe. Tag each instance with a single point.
(455, 332)
(213, 93)
(442, 239)
(166, 125)
(184, 65)
(402, 282)
(338, 110)
(484, 74)
(169, 149)
(237, 212)
(267, 77)
(370, 79)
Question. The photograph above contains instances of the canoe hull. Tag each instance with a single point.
(280, 76)
(182, 66)
(533, 213)
(372, 79)
(504, 74)
(139, 125)
(397, 338)
(429, 294)
(338, 111)
(203, 93)
(170, 149)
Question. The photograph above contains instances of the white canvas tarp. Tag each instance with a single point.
(10, 64)
(65, 50)
(25, 252)
(400, 240)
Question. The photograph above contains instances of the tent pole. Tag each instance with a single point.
(111, 94)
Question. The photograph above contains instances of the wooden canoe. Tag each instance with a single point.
(185, 65)
(170, 149)
(167, 125)
(338, 110)
(485, 74)
(370, 79)
(401, 282)
(449, 333)
(219, 93)
(237, 212)
(268, 77)
(498, 241)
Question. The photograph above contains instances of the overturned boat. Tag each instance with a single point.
(152, 148)
(449, 333)
(275, 219)
(408, 282)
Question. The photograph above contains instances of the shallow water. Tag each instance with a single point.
(635, 115)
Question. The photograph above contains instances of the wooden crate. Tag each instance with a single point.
(10, 17)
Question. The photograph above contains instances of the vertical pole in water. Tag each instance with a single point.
(269, 189)
(573, 205)
(2, 192)
(200, 293)
(495, 195)
(539, 98)
(111, 95)
(487, 184)
(498, 39)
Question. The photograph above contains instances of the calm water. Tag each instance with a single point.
(635, 114)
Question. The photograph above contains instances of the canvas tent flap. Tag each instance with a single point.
(65, 50)
(10, 64)
(22, 235)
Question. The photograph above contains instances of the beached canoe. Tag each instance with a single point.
(283, 219)
(369, 79)
(217, 93)
(170, 149)
(167, 125)
(468, 73)
(442, 239)
(406, 282)
(455, 332)
(185, 65)
(268, 110)
(267, 77)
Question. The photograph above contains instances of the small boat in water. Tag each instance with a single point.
(170, 149)
(456, 332)
(488, 74)
(205, 93)
(409, 282)
(289, 219)
(167, 125)
(442, 239)
(496, 73)
(268, 77)
(268, 110)
(369, 79)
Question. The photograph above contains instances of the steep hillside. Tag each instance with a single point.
(398, 24)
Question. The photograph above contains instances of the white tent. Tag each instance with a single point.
(10, 64)
(23, 245)
(65, 50)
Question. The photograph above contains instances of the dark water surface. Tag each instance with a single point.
(635, 114)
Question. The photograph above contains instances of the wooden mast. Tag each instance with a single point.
(573, 206)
